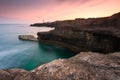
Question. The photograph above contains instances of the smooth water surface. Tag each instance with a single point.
(15, 53)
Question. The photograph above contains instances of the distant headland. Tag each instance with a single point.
(92, 34)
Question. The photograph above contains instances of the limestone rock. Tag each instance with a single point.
(84, 66)
(27, 37)
(94, 34)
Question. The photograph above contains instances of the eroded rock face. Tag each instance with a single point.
(18, 74)
(84, 66)
(96, 34)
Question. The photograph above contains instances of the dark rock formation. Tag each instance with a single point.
(84, 66)
(111, 21)
(48, 24)
(94, 34)
(27, 38)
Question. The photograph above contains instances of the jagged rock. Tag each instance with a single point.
(84, 66)
(17, 74)
(94, 34)
(27, 37)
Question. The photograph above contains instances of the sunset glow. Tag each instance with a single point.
(51, 10)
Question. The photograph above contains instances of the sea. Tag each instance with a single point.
(15, 53)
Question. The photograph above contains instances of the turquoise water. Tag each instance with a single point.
(15, 53)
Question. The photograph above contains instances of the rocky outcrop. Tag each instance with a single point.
(27, 38)
(94, 34)
(99, 35)
(84, 66)
(111, 21)
(48, 24)
(17, 74)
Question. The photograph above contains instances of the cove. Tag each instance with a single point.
(27, 55)
(44, 53)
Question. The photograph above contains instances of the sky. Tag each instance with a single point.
(30, 11)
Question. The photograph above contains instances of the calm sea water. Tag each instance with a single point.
(15, 53)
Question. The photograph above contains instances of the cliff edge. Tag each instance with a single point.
(92, 34)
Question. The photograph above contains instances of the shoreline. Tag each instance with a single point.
(57, 43)
(70, 47)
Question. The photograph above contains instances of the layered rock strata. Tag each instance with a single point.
(96, 34)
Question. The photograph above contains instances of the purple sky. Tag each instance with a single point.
(51, 10)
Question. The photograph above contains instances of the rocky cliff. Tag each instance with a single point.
(111, 21)
(84, 66)
(93, 34)
(48, 24)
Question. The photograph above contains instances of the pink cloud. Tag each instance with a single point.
(50, 10)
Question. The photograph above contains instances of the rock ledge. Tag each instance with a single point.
(27, 37)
